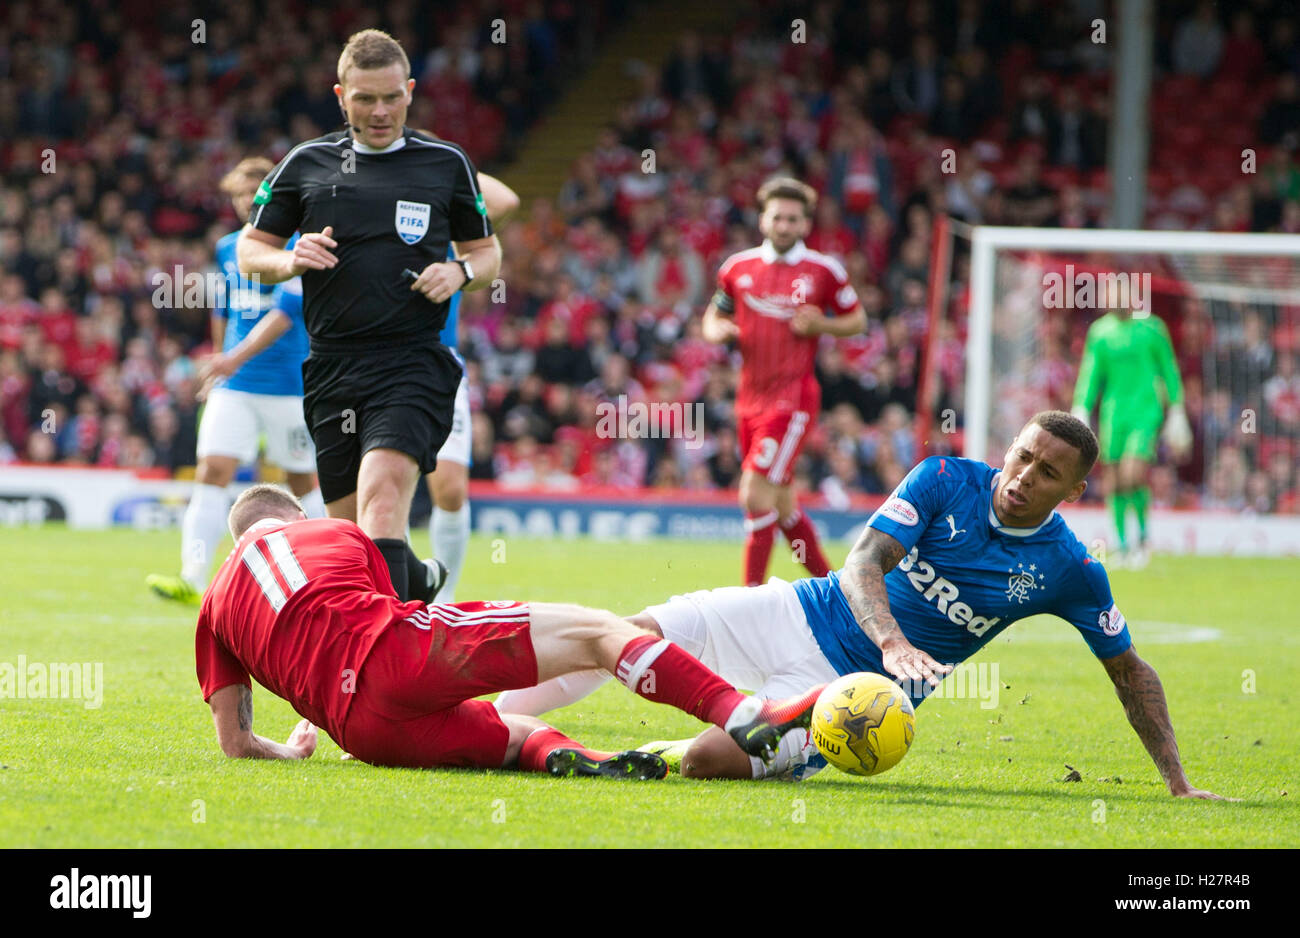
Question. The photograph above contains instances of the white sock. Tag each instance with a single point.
(747, 710)
(202, 528)
(789, 751)
(449, 535)
(550, 695)
(313, 503)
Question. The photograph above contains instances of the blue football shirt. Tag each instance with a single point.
(966, 576)
(278, 369)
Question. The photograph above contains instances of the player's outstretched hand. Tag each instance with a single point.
(217, 366)
(903, 659)
(1188, 791)
(805, 320)
(439, 281)
(312, 252)
(719, 329)
(303, 738)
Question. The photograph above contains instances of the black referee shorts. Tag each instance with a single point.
(400, 399)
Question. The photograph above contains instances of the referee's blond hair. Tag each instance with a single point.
(370, 49)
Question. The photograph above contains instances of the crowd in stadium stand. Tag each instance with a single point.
(605, 283)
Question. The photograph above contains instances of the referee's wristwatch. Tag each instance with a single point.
(467, 270)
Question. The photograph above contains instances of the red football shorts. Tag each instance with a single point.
(414, 703)
(772, 441)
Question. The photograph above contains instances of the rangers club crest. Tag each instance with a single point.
(1021, 584)
(412, 220)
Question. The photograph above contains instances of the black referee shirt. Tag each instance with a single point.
(399, 208)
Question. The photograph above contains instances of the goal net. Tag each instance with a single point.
(1024, 298)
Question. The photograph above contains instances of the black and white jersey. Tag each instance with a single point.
(395, 208)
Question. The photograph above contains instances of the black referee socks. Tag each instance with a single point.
(396, 551)
(419, 578)
(412, 578)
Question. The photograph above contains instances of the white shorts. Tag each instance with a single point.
(233, 421)
(457, 447)
(755, 637)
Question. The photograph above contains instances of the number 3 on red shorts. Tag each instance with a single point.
(767, 448)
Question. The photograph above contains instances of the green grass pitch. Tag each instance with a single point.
(144, 770)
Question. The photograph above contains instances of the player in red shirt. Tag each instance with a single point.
(308, 609)
(771, 300)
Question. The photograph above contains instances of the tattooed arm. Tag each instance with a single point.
(232, 712)
(1139, 690)
(863, 584)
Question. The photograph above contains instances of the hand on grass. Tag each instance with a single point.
(303, 739)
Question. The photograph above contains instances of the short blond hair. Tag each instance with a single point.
(259, 501)
(370, 49)
(787, 187)
(255, 168)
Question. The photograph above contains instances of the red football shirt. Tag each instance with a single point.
(298, 606)
(763, 289)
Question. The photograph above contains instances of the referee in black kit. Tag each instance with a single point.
(372, 202)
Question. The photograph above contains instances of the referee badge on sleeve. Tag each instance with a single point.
(412, 220)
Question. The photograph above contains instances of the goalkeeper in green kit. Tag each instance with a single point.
(1128, 362)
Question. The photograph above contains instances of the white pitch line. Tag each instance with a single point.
(1143, 631)
(103, 618)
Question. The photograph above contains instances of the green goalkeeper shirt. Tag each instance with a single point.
(1127, 361)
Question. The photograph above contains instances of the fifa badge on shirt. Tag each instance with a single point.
(412, 220)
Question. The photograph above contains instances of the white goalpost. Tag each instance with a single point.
(1243, 290)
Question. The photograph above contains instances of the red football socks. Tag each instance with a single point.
(801, 534)
(658, 670)
(760, 531)
(541, 743)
